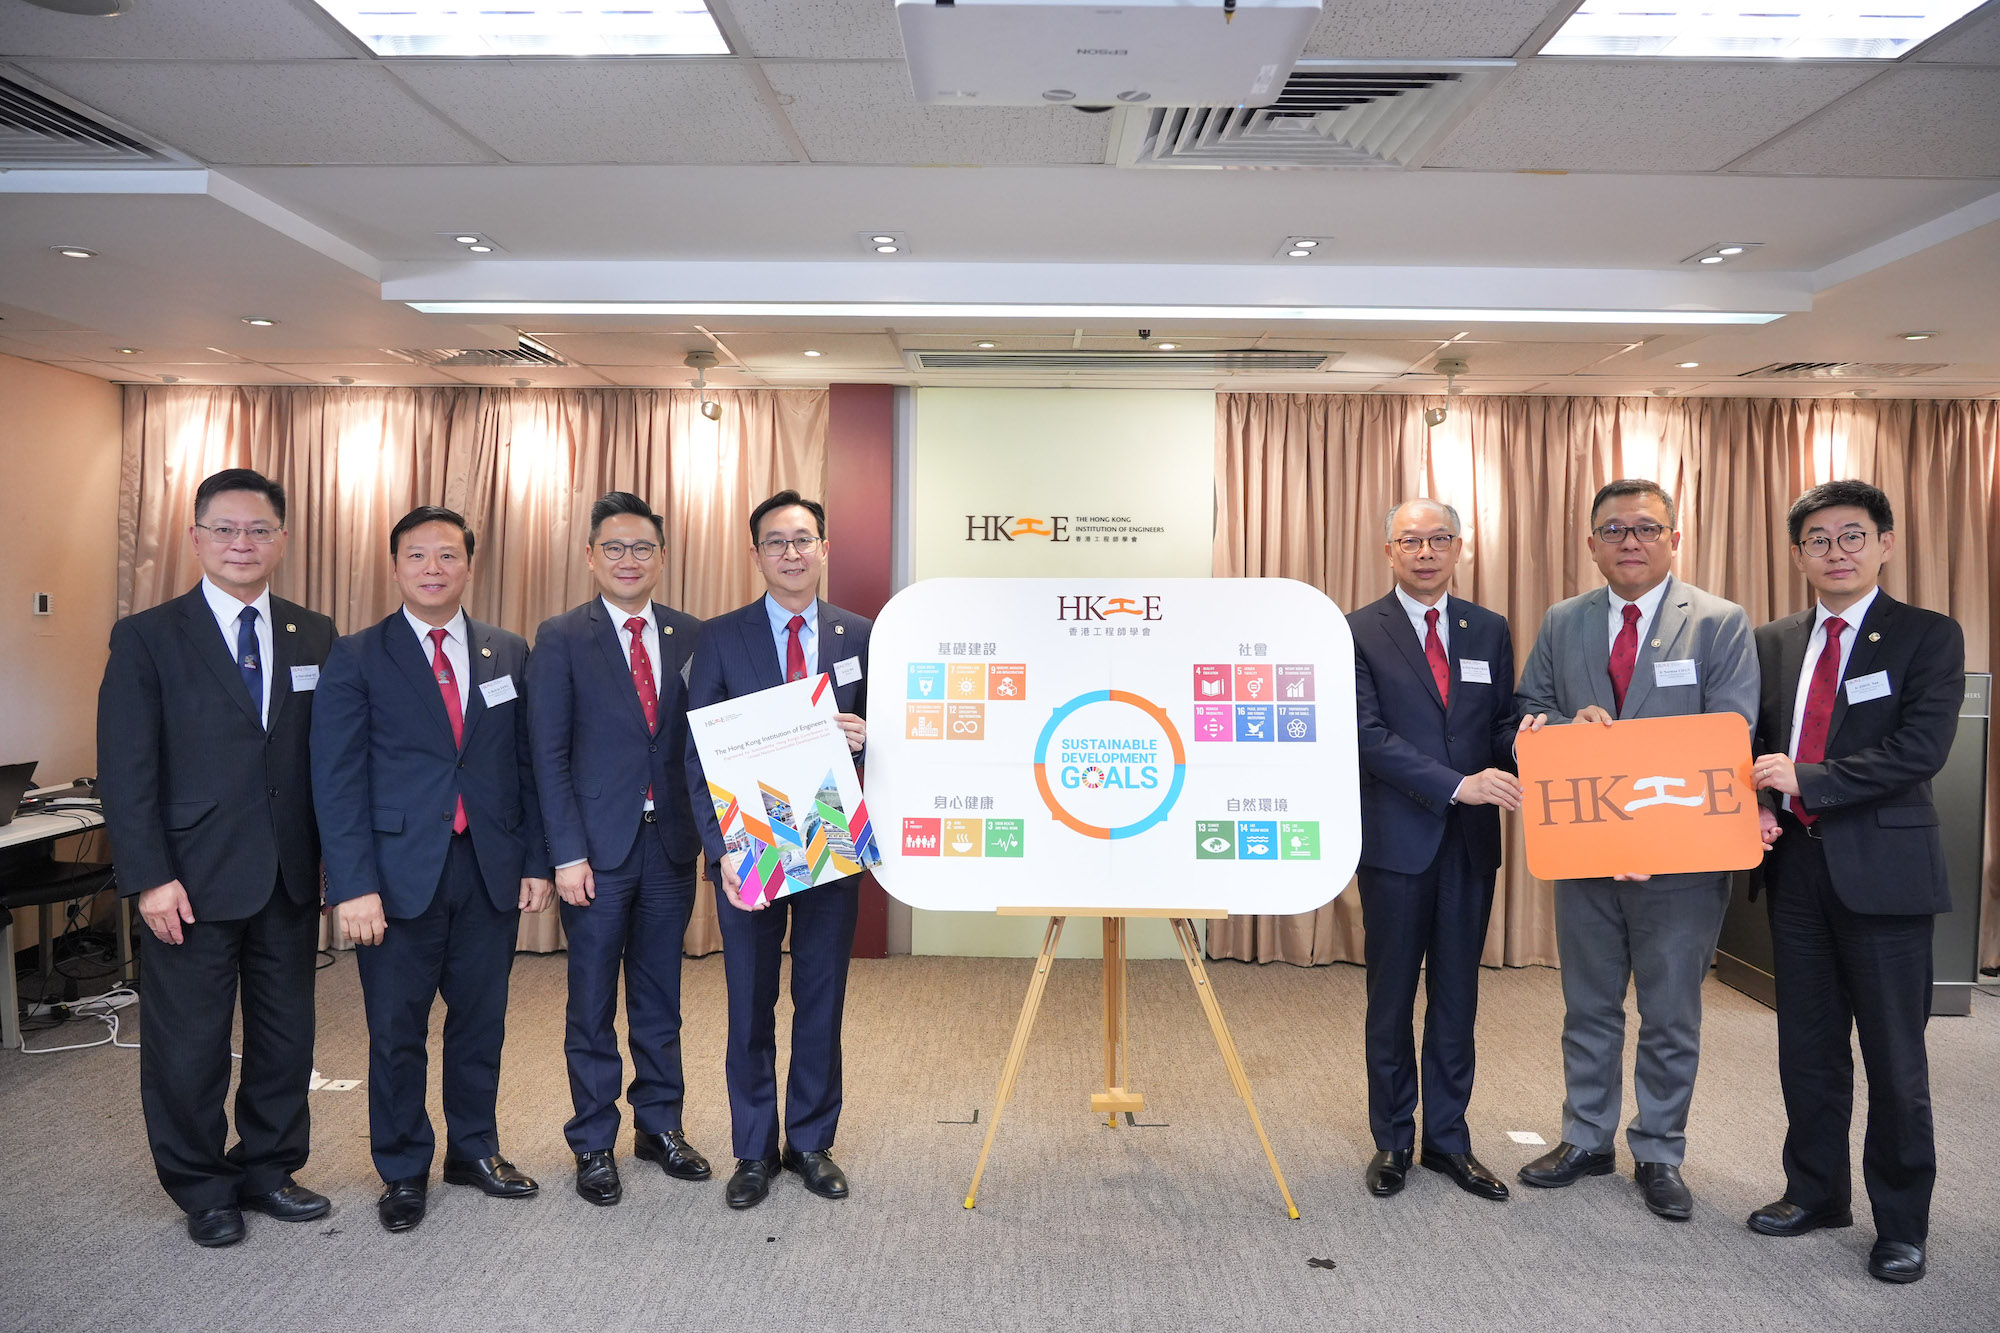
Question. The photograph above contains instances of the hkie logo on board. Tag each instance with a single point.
(1085, 607)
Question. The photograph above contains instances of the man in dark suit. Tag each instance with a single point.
(607, 705)
(1860, 704)
(202, 726)
(1436, 770)
(787, 634)
(426, 796)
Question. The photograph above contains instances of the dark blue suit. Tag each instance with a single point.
(386, 779)
(1427, 865)
(739, 656)
(595, 762)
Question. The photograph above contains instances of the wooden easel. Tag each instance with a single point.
(1116, 1096)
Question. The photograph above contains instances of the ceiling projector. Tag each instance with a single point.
(1093, 54)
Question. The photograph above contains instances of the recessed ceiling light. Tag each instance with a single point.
(1689, 365)
(261, 321)
(986, 347)
(530, 28)
(1166, 347)
(343, 379)
(1918, 336)
(466, 240)
(883, 240)
(129, 351)
(1730, 250)
(73, 252)
(1708, 31)
(1119, 311)
(480, 249)
(1299, 254)
(1722, 252)
(811, 352)
(1305, 245)
(1710, 259)
(170, 379)
(886, 249)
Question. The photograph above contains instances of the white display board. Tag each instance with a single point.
(1105, 743)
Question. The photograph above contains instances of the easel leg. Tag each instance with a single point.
(1117, 1051)
(1019, 1050)
(1190, 942)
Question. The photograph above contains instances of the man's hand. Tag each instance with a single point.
(1492, 786)
(856, 728)
(535, 893)
(732, 887)
(576, 884)
(1532, 722)
(1776, 771)
(361, 919)
(1767, 824)
(164, 908)
(1593, 713)
(1634, 878)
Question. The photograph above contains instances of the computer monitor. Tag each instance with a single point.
(15, 779)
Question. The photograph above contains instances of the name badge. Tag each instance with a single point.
(847, 670)
(304, 678)
(497, 692)
(1863, 688)
(1674, 673)
(1474, 672)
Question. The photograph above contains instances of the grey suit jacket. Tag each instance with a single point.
(1569, 667)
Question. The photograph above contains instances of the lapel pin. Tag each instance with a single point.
(1656, 643)
(291, 629)
(1875, 637)
(1461, 624)
(668, 628)
(486, 652)
(840, 629)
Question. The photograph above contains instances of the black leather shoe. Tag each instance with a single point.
(597, 1178)
(293, 1203)
(1467, 1171)
(1386, 1170)
(494, 1175)
(821, 1176)
(1896, 1261)
(402, 1203)
(215, 1227)
(752, 1181)
(672, 1152)
(1565, 1164)
(1785, 1218)
(1666, 1193)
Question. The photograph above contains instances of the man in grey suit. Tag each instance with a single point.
(1648, 645)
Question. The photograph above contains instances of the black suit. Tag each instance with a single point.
(1852, 901)
(197, 788)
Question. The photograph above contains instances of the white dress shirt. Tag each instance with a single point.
(781, 634)
(651, 637)
(1853, 616)
(1649, 606)
(228, 611)
(455, 650)
(1416, 611)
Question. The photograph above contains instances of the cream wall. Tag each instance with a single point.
(59, 449)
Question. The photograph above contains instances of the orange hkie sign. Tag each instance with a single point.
(1648, 796)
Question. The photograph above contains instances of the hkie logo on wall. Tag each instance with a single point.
(1066, 528)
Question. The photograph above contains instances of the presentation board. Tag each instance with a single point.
(1113, 743)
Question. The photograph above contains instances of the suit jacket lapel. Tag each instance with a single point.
(606, 635)
(284, 652)
(832, 638)
(1669, 626)
(1861, 662)
(1396, 624)
(481, 667)
(1597, 648)
(762, 647)
(401, 643)
(198, 623)
(1792, 641)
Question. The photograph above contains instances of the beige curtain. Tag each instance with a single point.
(522, 465)
(1303, 482)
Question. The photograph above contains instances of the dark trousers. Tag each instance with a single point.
(639, 920)
(1840, 972)
(822, 924)
(1434, 923)
(463, 949)
(189, 1004)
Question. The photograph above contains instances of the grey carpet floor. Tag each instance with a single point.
(1173, 1224)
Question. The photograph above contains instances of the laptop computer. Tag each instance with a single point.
(15, 779)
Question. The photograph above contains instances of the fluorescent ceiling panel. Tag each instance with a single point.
(1800, 30)
(987, 310)
(529, 27)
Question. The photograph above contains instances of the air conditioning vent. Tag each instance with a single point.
(1841, 370)
(1329, 114)
(1252, 359)
(37, 131)
(527, 352)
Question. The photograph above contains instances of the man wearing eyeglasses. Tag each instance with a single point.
(1860, 706)
(1648, 645)
(788, 634)
(1434, 703)
(202, 728)
(607, 706)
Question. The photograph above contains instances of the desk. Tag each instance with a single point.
(23, 838)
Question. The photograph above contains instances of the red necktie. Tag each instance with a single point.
(795, 651)
(1434, 651)
(1624, 656)
(448, 687)
(1819, 707)
(642, 676)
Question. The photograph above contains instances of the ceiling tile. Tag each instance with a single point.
(1675, 115)
(544, 377)
(16, 319)
(785, 352)
(1424, 29)
(819, 29)
(238, 372)
(90, 345)
(1530, 358)
(367, 375)
(265, 114)
(625, 349)
(1976, 42)
(1910, 122)
(617, 111)
(677, 377)
(324, 356)
(862, 111)
(179, 30)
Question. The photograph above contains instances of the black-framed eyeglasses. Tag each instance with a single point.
(1849, 541)
(779, 547)
(1437, 541)
(1612, 534)
(227, 533)
(640, 551)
